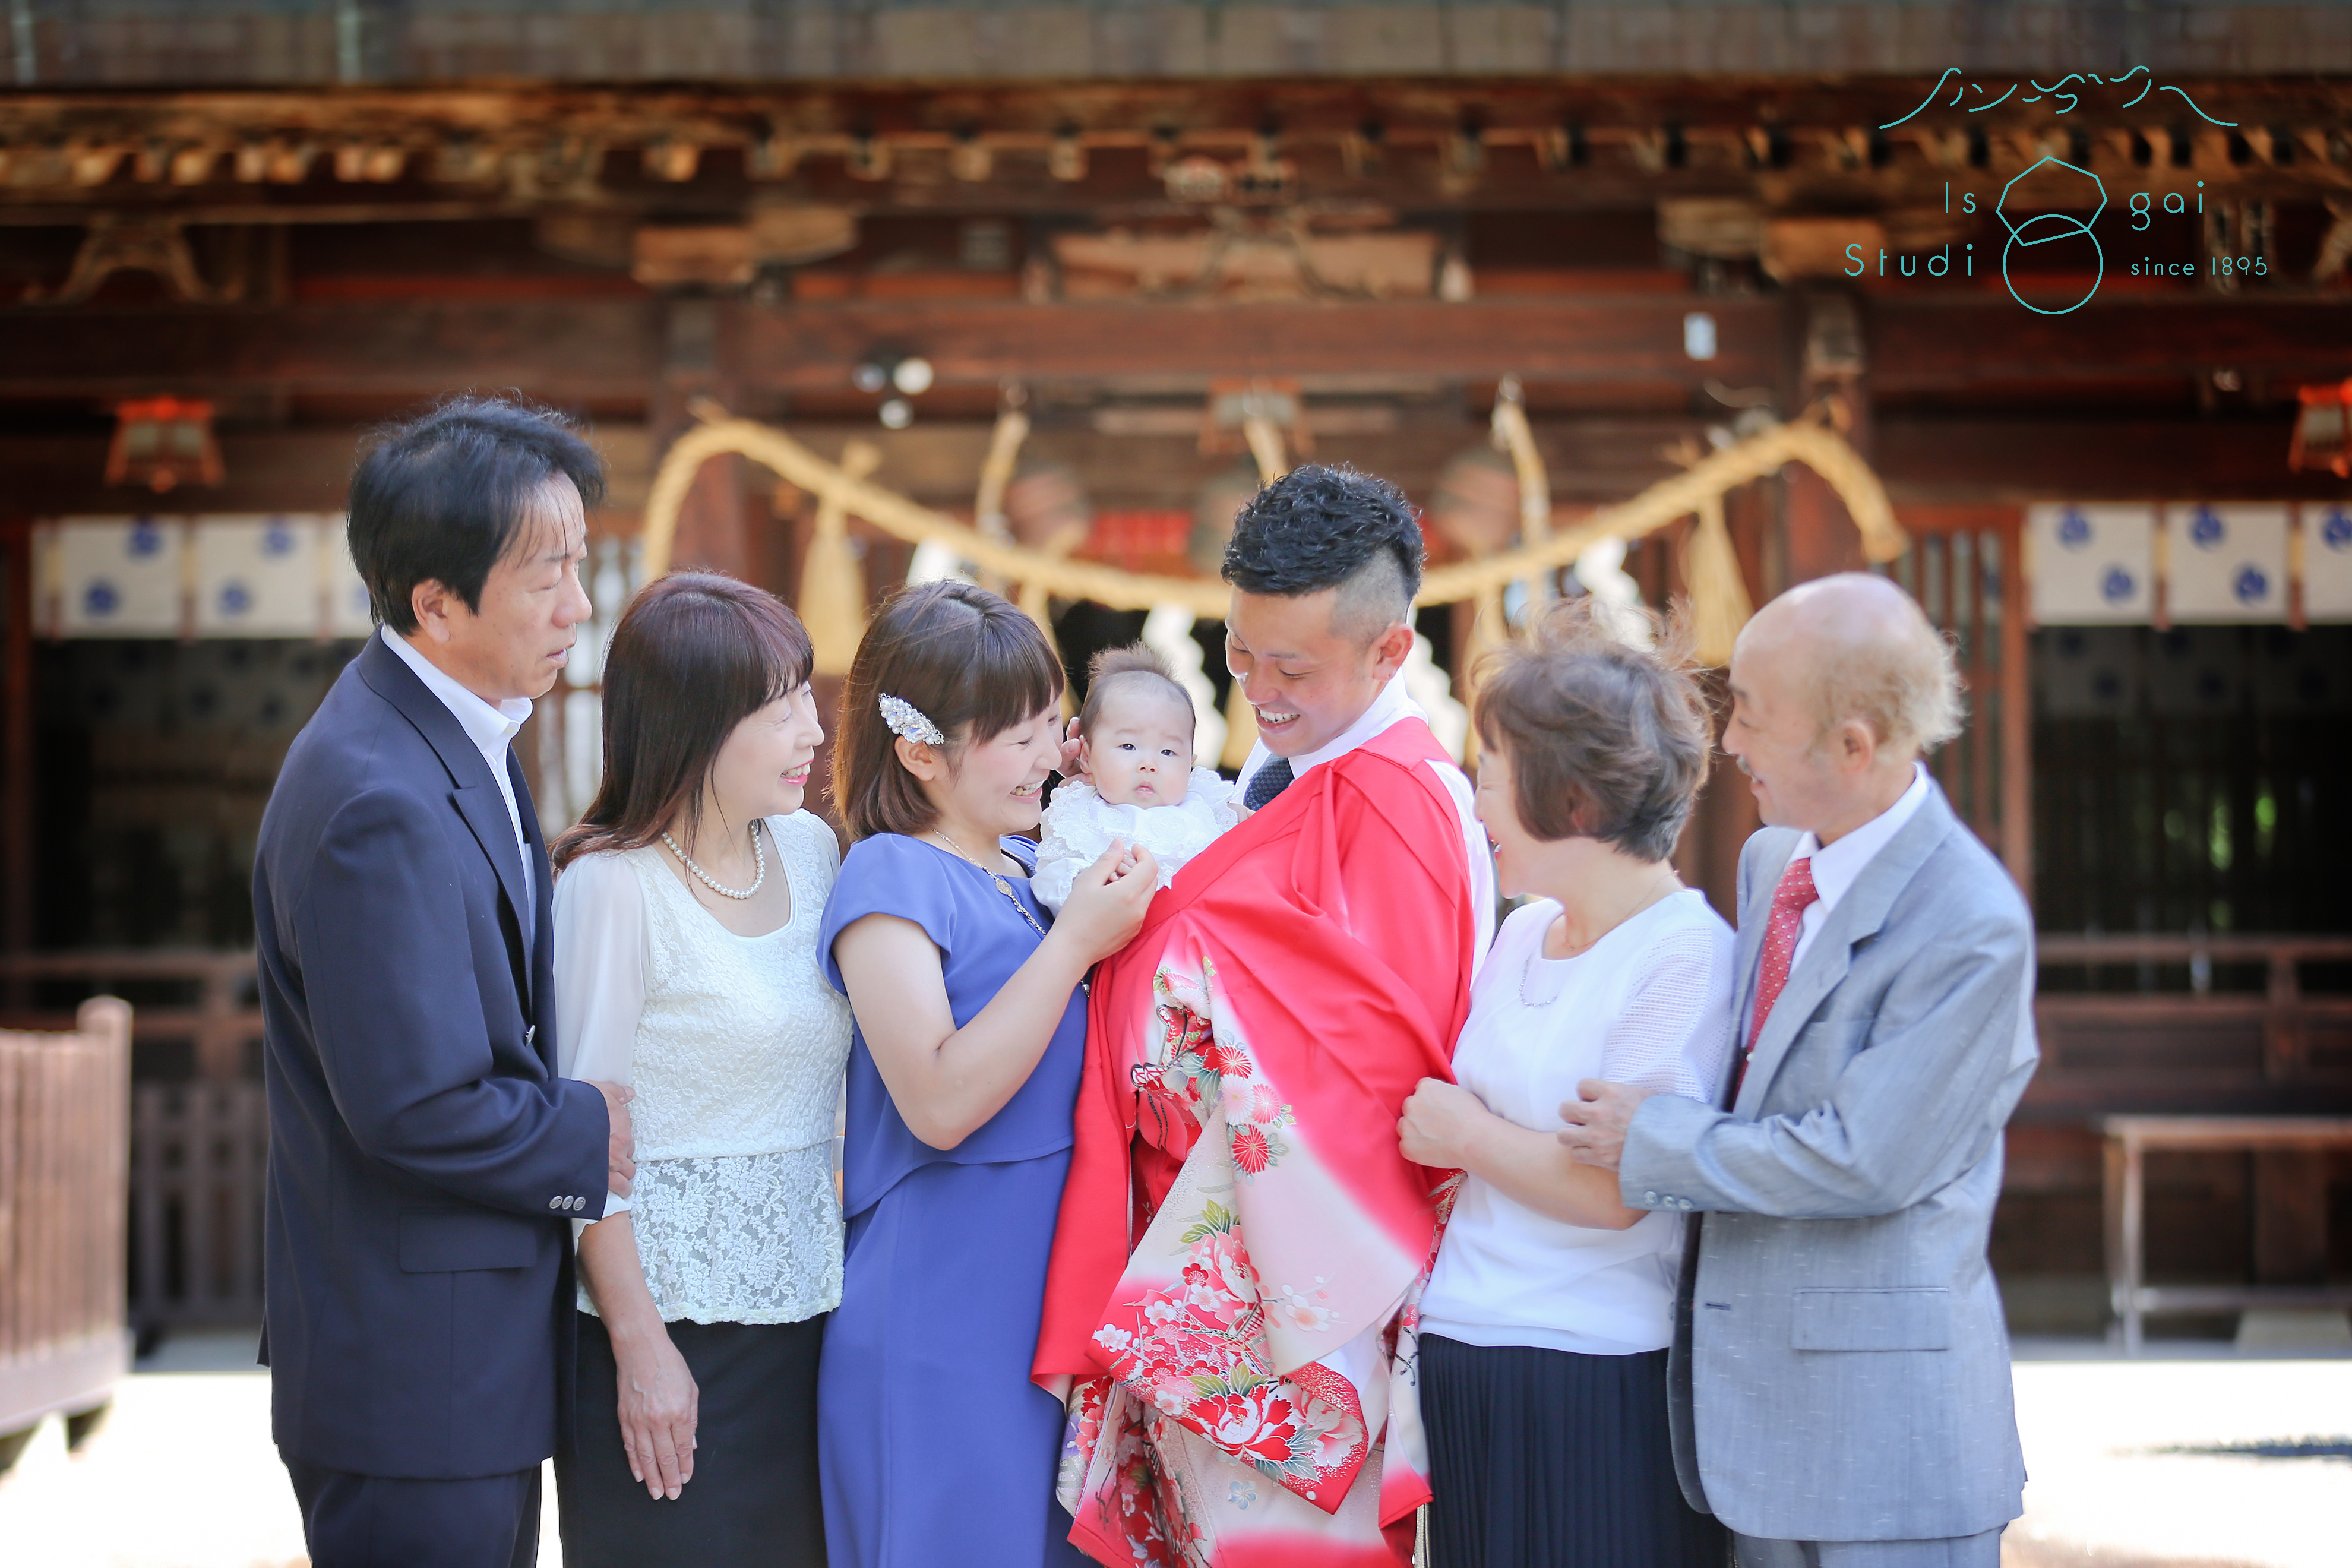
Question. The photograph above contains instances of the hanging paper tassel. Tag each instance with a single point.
(832, 588)
(1513, 435)
(1490, 628)
(1241, 729)
(1720, 601)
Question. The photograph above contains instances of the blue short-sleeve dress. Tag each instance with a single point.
(934, 1446)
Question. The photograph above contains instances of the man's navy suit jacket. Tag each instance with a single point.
(424, 1157)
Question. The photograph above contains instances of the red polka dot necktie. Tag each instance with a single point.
(1790, 901)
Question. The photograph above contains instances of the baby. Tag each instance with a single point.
(1134, 734)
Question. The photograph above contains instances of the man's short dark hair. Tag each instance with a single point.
(441, 497)
(1317, 528)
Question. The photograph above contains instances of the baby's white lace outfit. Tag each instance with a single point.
(1079, 826)
(736, 1046)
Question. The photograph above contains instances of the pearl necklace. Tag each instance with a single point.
(759, 859)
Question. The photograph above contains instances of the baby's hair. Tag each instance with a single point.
(1123, 669)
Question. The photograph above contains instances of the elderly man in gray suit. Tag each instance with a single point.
(1840, 1379)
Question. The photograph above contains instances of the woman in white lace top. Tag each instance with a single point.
(686, 910)
(1545, 1324)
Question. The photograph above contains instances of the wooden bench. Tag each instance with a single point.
(2129, 1139)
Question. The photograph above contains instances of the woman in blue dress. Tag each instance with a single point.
(934, 1445)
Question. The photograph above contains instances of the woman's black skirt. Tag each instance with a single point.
(754, 1498)
(1541, 1459)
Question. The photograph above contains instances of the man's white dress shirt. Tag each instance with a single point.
(1393, 705)
(1836, 866)
(492, 730)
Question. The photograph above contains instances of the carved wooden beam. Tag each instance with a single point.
(1498, 142)
(585, 350)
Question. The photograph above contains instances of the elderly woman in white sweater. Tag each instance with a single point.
(1545, 1324)
(687, 910)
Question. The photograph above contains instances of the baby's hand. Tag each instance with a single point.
(1107, 902)
(1074, 755)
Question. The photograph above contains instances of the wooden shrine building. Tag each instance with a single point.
(2067, 281)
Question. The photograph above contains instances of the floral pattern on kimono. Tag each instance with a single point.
(1229, 1312)
(1194, 1354)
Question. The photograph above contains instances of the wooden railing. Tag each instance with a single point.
(219, 1027)
(199, 1154)
(199, 1125)
(64, 1102)
(2174, 1043)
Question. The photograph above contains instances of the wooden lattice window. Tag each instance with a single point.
(1964, 568)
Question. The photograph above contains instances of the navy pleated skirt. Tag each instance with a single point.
(1541, 1459)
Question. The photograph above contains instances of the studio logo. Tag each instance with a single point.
(2043, 228)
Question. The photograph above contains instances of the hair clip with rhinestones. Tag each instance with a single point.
(907, 722)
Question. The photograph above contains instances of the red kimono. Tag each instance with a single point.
(1229, 1313)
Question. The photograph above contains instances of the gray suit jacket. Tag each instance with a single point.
(1841, 1365)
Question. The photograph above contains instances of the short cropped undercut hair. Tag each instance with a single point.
(1606, 740)
(443, 496)
(1317, 528)
(968, 660)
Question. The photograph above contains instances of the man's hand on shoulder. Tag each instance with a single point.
(623, 1159)
(1597, 1119)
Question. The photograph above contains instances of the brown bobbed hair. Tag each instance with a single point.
(695, 655)
(1606, 740)
(968, 659)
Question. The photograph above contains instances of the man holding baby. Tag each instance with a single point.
(1229, 1307)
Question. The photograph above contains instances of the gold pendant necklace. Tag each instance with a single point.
(1002, 884)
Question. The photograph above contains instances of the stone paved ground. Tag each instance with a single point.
(2206, 1463)
(2203, 1463)
(183, 1475)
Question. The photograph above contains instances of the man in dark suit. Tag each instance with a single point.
(424, 1155)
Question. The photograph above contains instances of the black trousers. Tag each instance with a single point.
(753, 1502)
(391, 1521)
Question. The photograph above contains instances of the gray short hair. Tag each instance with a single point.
(1903, 682)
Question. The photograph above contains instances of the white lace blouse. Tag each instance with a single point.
(736, 1047)
(1648, 1005)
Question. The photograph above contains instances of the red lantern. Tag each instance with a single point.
(2323, 431)
(161, 442)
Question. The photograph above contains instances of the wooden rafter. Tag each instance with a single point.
(588, 349)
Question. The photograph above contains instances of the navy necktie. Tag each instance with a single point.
(1266, 783)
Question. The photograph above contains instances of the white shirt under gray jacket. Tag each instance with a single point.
(1841, 1365)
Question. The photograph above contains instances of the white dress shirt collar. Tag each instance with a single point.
(490, 728)
(1393, 706)
(1393, 703)
(1838, 865)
